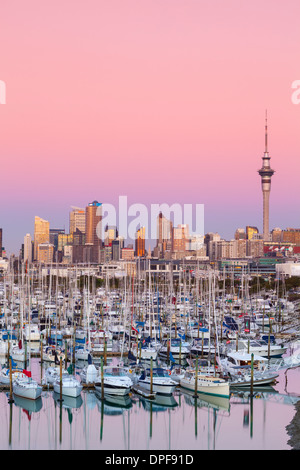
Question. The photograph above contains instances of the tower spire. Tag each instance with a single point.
(266, 133)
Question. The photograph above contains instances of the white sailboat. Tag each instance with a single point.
(26, 387)
(68, 385)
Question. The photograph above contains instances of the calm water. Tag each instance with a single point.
(177, 423)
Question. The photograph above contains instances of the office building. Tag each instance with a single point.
(77, 220)
(93, 228)
(41, 233)
(27, 256)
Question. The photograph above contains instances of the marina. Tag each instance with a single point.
(101, 379)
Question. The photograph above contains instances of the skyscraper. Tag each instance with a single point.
(93, 227)
(266, 174)
(28, 248)
(77, 220)
(140, 242)
(164, 236)
(41, 233)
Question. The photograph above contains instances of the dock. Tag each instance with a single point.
(139, 390)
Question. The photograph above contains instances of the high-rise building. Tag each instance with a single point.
(77, 220)
(28, 248)
(180, 238)
(93, 228)
(250, 232)
(53, 236)
(110, 234)
(164, 236)
(64, 239)
(255, 248)
(117, 246)
(78, 237)
(140, 242)
(291, 235)
(208, 238)
(240, 234)
(127, 253)
(266, 174)
(41, 233)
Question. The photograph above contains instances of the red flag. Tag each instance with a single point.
(27, 372)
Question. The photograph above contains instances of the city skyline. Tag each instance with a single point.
(163, 102)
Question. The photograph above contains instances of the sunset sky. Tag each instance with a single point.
(159, 100)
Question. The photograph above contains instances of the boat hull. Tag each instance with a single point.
(29, 392)
(215, 388)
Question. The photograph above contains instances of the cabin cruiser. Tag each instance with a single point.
(237, 366)
(177, 348)
(161, 381)
(208, 384)
(115, 381)
(261, 347)
(68, 385)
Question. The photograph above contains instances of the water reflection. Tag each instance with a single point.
(180, 421)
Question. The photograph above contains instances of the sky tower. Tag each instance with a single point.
(266, 174)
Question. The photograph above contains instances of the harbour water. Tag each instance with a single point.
(179, 422)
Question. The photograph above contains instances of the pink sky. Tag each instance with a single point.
(161, 100)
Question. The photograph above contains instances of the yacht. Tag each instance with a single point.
(259, 347)
(69, 385)
(208, 384)
(161, 381)
(237, 366)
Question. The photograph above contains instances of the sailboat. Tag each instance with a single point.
(26, 387)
